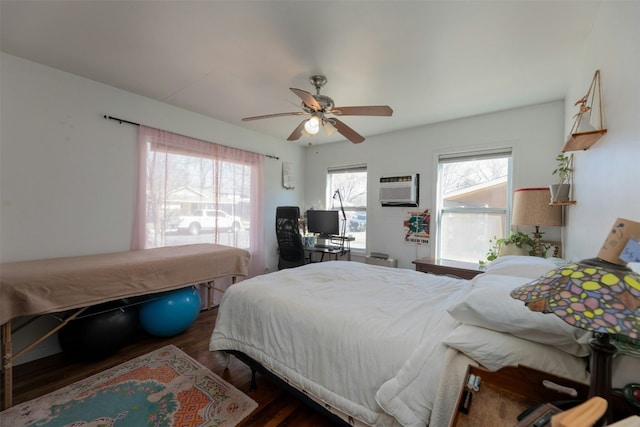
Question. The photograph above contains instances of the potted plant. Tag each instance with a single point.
(564, 170)
(517, 243)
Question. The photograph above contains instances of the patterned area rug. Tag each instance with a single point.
(163, 388)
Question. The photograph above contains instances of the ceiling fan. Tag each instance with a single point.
(319, 107)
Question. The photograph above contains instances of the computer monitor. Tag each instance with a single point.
(324, 223)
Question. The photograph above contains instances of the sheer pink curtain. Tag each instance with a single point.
(182, 178)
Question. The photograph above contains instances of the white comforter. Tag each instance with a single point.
(365, 340)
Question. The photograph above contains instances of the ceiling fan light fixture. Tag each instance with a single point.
(312, 125)
(318, 106)
(329, 129)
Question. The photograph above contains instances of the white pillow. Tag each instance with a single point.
(495, 350)
(489, 305)
(523, 266)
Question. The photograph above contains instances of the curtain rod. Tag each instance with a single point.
(138, 124)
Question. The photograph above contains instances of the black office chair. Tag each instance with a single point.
(290, 249)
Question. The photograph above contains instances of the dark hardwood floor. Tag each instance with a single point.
(276, 406)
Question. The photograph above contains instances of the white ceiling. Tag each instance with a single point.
(429, 60)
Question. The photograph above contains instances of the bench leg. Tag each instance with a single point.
(7, 365)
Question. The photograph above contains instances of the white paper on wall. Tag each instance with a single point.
(288, 176)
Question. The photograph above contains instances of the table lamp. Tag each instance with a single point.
(531, 207)
(600, 295)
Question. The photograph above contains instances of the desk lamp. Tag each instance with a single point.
(600, 295)
(531, 207)
(344, 216)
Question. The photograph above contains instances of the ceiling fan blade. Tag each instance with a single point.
(371, 110)
(269, 116)
(297, 132)
(307, 98)
(347, 132)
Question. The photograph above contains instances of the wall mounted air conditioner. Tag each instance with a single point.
(400, 190)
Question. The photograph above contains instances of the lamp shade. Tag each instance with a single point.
(329, 128)
(590, 297)
(531, 207)
(595, 295)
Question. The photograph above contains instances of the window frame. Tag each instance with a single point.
(332, 203)
(480, 154)
(158, 150)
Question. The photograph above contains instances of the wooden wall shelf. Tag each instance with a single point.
(583, 140)
(563, 203)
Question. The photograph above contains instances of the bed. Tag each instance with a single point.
(31, 288)
(379, 346)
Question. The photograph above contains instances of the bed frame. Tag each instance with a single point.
(301, 395)
(34, 288)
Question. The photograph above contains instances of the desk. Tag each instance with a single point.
(340, 245)
(310, 250)
(464, 270)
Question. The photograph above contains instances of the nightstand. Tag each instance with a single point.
(463, 270)
(502, 395)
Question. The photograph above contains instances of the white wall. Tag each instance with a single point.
(67, 175)
(534, 133)
(606, 176)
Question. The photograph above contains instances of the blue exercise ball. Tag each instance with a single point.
(170, 313)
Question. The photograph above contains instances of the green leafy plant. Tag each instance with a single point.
(517, 238)
(563, 169)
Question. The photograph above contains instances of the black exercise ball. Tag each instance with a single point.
(99, 331)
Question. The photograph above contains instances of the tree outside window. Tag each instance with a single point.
(351, 183)
(473, 200)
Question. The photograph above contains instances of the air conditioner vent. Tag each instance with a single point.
(400, 190)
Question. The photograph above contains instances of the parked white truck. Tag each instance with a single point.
(209, 219)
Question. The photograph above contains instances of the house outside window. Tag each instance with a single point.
(198, 200)
(473, 206)
(351, 183)
(193, 191)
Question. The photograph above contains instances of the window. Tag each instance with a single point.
(473, 197)
(193, 191)
(351, 184)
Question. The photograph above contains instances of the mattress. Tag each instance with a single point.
(314, 327)
(381, 346)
